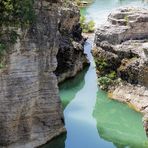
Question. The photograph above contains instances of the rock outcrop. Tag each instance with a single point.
(30, 109)
(71, 58)
(124, 24)
(121, 55)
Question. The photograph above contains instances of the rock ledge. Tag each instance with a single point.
(121, 56)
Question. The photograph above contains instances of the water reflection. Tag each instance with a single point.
(70, 87)
(81, 126)
(117, 123)
(58, 142)
(91, 124)
(120, 126)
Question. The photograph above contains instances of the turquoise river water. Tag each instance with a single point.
(92, 120)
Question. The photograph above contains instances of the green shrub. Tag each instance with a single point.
(2, 52)
(13, 14)
(104, 82)
(2, 49)
(16, 12)
(107, 80)
(126, 19)
(87, 27)
(101, 64)
(112, 75)
(91, 26)
(13, 37)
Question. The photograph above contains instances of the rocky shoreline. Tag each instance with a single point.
(121, 56)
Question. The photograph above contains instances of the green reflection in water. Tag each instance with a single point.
(117, 123)
(70, 87)
(58, 142)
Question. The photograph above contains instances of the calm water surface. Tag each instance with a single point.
(93, 120)
(100, 9)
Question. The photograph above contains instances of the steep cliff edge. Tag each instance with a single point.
(121, 56)
(30, 109)
(71, 58)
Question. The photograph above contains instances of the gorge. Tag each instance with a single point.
(47, 53)
(30, 108)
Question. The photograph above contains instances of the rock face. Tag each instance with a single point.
(124, 24)
(30, 109)
(122, 48)
(71, 58)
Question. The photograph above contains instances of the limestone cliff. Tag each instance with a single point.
(71, 58)
(30, 110)
(122, 59)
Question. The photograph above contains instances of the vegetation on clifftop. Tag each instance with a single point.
(14, 14)
(87, 26)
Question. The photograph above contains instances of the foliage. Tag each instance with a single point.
(101, 64)
(2, 48)
(112, 75)
(13, 14)
(84, 3)
(87, 27)
(104, 82)
(78, 2)
(108, 80)
(2, 52)
(126, 19)
(16, 12)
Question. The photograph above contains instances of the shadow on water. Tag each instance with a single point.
(80, 124)
(70, 87)
(58, 142)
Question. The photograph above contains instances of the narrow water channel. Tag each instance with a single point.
(92, 119)
(80, 124)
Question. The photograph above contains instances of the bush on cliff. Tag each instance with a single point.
(107, 80)
(104, 82)
(87, 27)
(13, 14)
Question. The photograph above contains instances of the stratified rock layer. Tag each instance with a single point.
(122, 43)
(124, 24)
(30, 109)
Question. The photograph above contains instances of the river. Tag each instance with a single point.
(92, 119)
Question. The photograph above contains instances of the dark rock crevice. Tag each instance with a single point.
(70, 58)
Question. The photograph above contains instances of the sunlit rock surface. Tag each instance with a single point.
(127, 23)
(122, 42)
(30, 108)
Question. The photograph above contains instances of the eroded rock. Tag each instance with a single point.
(122, 43)
(71, 58)
(124, 24)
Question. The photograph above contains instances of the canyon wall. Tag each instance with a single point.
(30, 109)
(71, 58)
